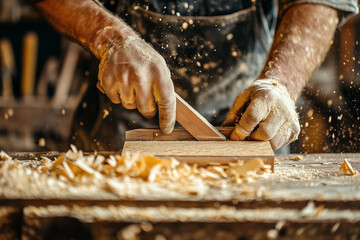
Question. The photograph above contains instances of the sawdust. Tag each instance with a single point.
(124, 175)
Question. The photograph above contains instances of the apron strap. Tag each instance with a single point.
(262, 29)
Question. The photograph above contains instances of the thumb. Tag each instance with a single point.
(239, 106)
(167, 114)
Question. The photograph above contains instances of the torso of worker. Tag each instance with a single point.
(213, 48)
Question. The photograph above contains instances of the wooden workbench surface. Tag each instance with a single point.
(308, 194)
(314, 178)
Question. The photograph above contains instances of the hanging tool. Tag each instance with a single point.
(67, 75)
(48, 78)
(7, 68)
(29, 60)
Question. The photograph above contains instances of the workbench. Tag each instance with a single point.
(302, 200)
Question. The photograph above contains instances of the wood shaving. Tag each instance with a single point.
(347, 169)
(120, 174)
(297, 158)
(4, 156)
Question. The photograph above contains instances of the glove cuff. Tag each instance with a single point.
(112, 36)
(273, 84)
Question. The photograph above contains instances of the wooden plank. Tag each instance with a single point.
(204, 152)
(201, 148)
(194, 123)
(293, 185)
(179, 134)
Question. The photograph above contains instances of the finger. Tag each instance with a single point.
(127, 97)
(98, 85)
(113, 95)
(286, 134)
(122, 83)
(237, 133)
(167, 113)
(166, 101)
(254, 114)
(105, 85)
(278, 141)
(145, 103)
(239, 103)
(295, 130)
(268, 128)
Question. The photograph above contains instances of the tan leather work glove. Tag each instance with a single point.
(264, 111)
(134, 74)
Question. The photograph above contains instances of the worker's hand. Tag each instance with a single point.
(264, 111)
(135, 75)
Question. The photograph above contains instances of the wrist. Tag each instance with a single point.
(292, 86)
(110, 36)
(275, 85)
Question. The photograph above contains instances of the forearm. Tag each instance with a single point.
(85, 22)
(300, 45)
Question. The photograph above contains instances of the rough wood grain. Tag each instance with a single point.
(194, 123)
(293, 185)
(234, 212)
(204, 152)
(179, 134)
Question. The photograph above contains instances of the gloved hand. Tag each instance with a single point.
(264, 111)
(130, 71)
(134, 74)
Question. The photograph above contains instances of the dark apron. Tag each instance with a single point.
(211, 58)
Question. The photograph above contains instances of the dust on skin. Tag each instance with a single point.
(299, 49)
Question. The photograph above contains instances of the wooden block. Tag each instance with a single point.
(205, 152)
(179, 134)
(194, 123)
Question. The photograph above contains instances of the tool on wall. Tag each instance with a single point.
(29, 61)
(67, 75)
(48, 78)
(7, 69)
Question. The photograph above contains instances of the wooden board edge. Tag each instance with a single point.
(178, 134)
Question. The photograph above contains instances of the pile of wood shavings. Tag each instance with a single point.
(117, 173)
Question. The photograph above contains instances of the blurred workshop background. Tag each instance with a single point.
(44, 76)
